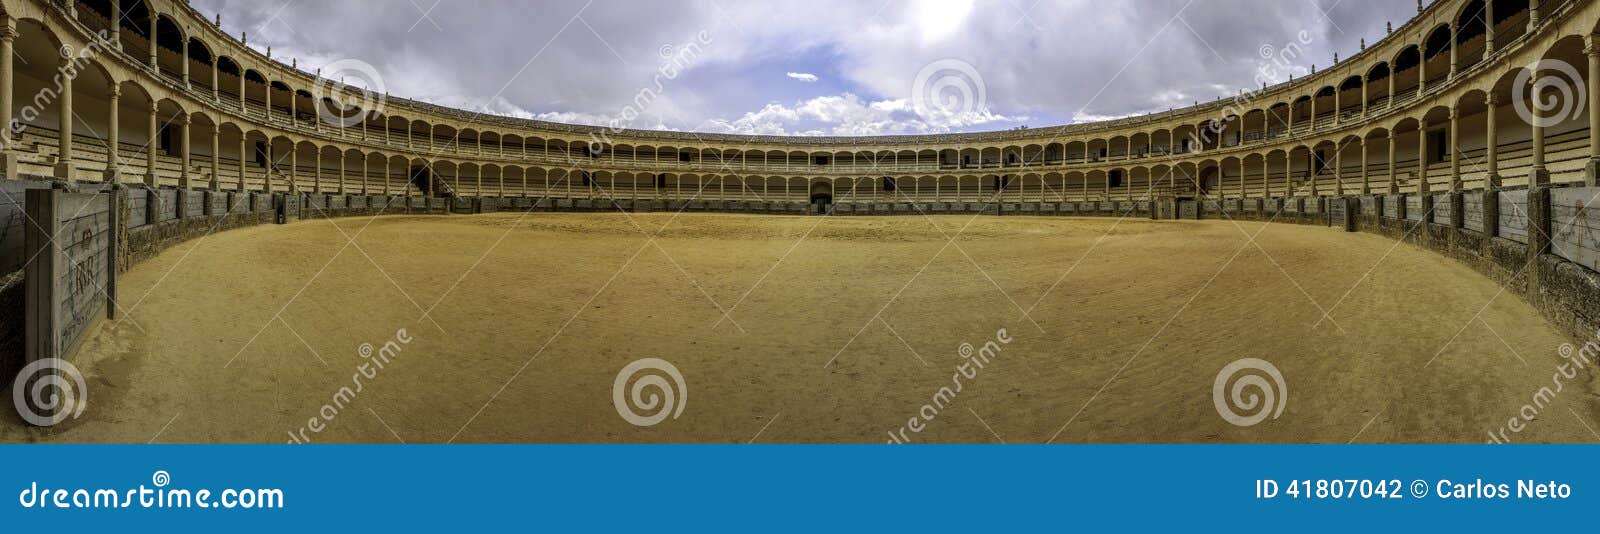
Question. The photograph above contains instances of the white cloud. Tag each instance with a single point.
(1063, 60)
(850, 115)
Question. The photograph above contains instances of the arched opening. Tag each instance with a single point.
(1471, 28)
(422, 179)
(821, 196)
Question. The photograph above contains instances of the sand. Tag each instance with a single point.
(841, 330)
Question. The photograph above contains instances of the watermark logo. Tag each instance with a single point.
(1248, 390)
(659, 393)
(1558, 93)
(1573, 361)
(973, 361)
(948, 88)
(675, 60)
(374, 359)
(48, 391)
(158, 496)
(334, 87)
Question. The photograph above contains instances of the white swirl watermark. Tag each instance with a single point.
(48, 391)
(161, 479)
(333, 89)
(948, 87)
(1257, 390)
(1558, 93)
(665, 398)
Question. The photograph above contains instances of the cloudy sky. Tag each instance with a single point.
(812, 67)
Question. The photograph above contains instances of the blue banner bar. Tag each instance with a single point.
(759, 488)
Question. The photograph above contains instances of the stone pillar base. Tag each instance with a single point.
(63, 172)
(1538, 234)
(111, 176)
(8, 161)
(1458, 217)
(1538, 221)
(1591, 173)
(1538, 177)
(150, 179)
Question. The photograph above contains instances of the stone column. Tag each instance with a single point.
(1338, 103)
(1363, 97)
(1538, 175)
(316, 171)
(153, 47)
(183, 62)
(1391, 88)
(1394, 177)
(8, 39)
(1288, 173)
(183, 150)
(216, 86)
(244, 155)
(151, 129)
(1533, 14)
(364, 189)
(1338, 170)
(1266, 176)
(1422, 68)
(113, 160)
(216, 157)
(1311, 167)
(1422, 156)
(1488, 29)
(294, 173)
(1453, 65)
(266, 171)
(1592, 168)
(1455, 152)
(341, 171)
(1492, 180)
(1366, 185)
(64, 163)
(1241, 177)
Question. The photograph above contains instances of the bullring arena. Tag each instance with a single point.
(1405, 237)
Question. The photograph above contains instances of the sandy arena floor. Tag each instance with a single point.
(243, 336)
